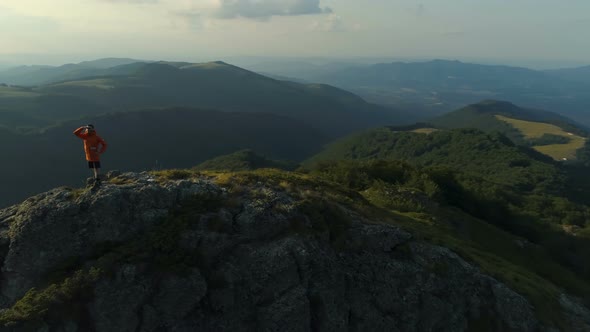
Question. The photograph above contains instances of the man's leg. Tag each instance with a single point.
(97, 172)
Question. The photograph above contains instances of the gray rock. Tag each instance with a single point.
(177, 296)
(118, 300)
(577, 314)
(53, 227)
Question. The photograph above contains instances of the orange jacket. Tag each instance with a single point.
(94, 145)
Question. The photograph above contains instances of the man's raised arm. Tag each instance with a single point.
(78, 132)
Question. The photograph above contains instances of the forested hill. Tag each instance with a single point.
(214, 85)
(489, 156)
(549, 133)
(482, 116)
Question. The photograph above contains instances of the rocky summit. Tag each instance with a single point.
(176, 251)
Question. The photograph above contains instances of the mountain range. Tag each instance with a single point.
(439, 86)
(39, 75)
(215, 85)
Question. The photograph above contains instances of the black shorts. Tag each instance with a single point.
(94, 164)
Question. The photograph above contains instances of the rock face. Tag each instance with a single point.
(258, 264)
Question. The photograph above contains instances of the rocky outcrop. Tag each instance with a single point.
(255, 260)
(62, 224)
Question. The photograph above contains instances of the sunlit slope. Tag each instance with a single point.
(424, 130)
(532, 130)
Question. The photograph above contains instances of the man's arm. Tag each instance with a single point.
(79, 132)
(103, 145)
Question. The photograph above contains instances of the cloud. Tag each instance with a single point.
(263, 9)
(193, 20)
(18, 23)
(333, 23)
(420, 9)
(417, 10)
(453, 34)
(132, 1)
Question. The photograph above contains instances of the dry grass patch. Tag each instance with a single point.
(425, 130)
(532, 129)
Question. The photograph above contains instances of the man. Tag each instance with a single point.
(94, 146)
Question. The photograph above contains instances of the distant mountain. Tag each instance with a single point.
(439, 73)
(304, 70)
(439, 86)
(145, 140)
(108, 62)
(579, 74)
(38, 75)
(243, 160)
(214, 85)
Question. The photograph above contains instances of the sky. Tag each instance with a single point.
(511, 31)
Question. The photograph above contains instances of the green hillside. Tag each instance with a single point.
(528, 251)
(489, 156)
(512, 180)
(547, 132)
(487, 176)
(243, 160)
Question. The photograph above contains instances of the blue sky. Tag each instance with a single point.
(554, 31)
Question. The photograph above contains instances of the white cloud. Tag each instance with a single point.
(13, 22)
(334, 22)
(261, 9)
(133, 1)
(192, 20)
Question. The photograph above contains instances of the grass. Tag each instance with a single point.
(175, 174)
(59, 299)
(76, 192)
(120, 181)
(424, 130)
(532, 129)
(15, 92)
(207, 66)
(101, 83)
